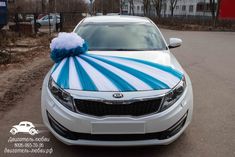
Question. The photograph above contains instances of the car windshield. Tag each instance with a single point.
(132, 36)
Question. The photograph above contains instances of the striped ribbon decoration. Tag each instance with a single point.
(105, 73)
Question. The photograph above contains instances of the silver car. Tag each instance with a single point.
(48, 19)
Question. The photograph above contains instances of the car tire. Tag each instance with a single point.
(32, 131)
(38, 25)
(13, 131)
(1, 26)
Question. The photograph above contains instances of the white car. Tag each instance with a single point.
(127, 90)
(24, 127)
(44, 21)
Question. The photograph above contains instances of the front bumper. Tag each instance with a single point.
(79, 126)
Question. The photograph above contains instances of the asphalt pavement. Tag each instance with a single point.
(209, 59)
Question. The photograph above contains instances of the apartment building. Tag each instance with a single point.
(182, 8)
(187, 8)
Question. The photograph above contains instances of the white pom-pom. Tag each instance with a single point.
(66, 41)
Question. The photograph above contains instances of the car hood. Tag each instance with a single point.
(118, 71)
(15, 126)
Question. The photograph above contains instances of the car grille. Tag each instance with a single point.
(137, 108)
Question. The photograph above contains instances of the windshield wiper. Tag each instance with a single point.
(123, 49)
(115, 50)
(126, 49)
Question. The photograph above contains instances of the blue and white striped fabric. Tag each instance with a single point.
(106, 73)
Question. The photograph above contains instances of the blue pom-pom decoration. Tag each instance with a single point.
(67, 45)
(59, 54)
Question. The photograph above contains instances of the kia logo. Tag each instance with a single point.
(117, 95)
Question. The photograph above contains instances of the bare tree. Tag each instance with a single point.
(42, 6)
(25, 6)
(146, 4)
(217, 12)
(172, 6)
(218, 9)
(122, 3)
(213, 9)
(43, 3)
(106, 6)
(164, 8)
(131, 4)
(98, 6)
(158, 6)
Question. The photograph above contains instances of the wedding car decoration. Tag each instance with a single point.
(66, 45)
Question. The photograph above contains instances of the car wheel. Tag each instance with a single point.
(1, 26)
(32, 131)
(38, 25)
(13, 131)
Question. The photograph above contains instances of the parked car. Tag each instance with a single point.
(41, 15)
(112, 14)
(25, 127)
(99, 14)
(127, 90)
(44, 21)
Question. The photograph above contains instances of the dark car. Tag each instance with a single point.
(3, 13)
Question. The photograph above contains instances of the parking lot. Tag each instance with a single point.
(209, 59)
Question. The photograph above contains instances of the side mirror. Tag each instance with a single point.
(174, 42)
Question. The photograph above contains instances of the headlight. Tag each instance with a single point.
(62, 96)
(171, 97)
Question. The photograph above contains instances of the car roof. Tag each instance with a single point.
(26, 122)
(116, 18)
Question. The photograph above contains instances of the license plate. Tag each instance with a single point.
(118, 127)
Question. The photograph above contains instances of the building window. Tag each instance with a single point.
(203, 7)
(191, 8)
(183, 7)
(200, 6)
(177, 7)
(142, 8)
